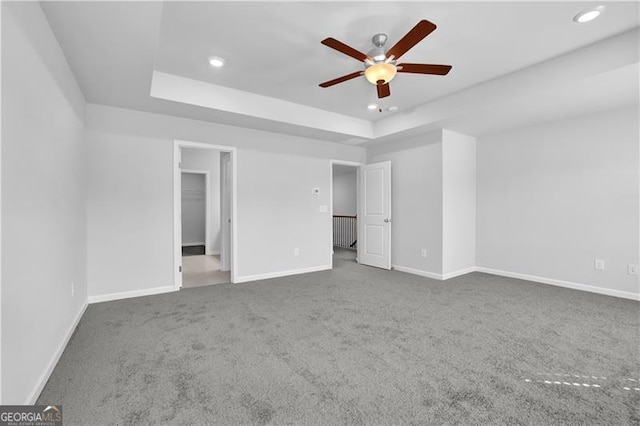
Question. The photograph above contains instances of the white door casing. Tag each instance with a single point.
(177, 200)
(375, 220)
(225, 211)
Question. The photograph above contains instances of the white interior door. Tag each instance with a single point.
(375, 218)
(225, 211)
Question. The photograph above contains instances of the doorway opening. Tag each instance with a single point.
(200, 222)
(204, 209)
(345, 207)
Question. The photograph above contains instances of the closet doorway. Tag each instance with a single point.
(204, 189)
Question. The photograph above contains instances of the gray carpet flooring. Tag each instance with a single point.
(355, 345)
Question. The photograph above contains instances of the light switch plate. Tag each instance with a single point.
(598, 264)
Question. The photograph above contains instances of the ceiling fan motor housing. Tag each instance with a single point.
(378, 54)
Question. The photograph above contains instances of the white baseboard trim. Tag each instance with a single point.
(213, 253)
(417, 272)
(278, 274)
(44, 377)
(193, 244)
(561, 283)
(459, 272)
(130, 294)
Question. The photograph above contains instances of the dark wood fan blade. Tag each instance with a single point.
(425, 69)
(341, 79)
(417, 33)
(383, 89)
(343, 48)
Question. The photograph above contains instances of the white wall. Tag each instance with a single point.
(194, 207)
(277, 211)
(345, 193)
(130, 203)
(458, 202)
(554, 197)
(416, 197)
(43, 202)
(208, 159)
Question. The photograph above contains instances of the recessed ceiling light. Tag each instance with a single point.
(372, 106)
(393, 108)
(588, 14)
(216, 62)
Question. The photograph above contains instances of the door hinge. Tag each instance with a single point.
(179, 164)
(180, 268)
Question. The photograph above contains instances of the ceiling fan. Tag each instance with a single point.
(380, 67)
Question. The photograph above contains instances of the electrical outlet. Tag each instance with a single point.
(423, 253)
(633, 269)
(73, 289)
(296, 251)
(598, 264)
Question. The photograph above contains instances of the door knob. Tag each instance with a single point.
(387, 220)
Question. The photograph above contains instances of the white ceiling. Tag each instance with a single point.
(274, 60)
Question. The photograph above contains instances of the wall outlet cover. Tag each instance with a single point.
(633, 269)
(598, 264)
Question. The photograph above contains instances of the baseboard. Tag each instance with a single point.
(534, 278)
(193, 244)
(417, 272)
(44, 377)
(213, 253)
(278, 274)
(561, 283)
(130, 294)
(459, 272)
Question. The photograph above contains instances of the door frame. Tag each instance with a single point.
(225, 229)
(177, 209)
(357, 165)
(207, 205)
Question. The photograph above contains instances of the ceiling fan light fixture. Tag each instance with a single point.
(381, 71)
(588, 14)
